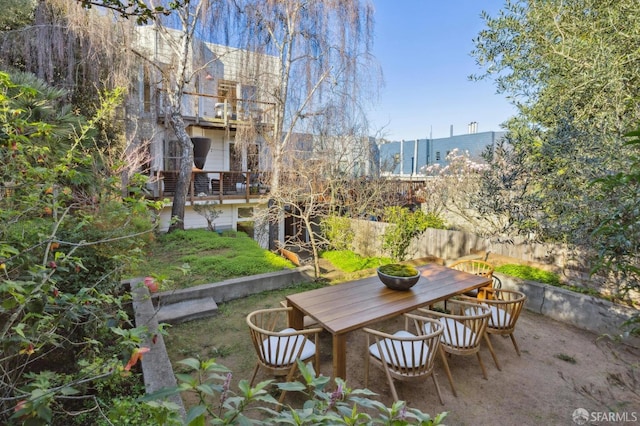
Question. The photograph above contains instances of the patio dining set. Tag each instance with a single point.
(450, 311)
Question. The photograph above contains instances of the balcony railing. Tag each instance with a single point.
(211, 110)
(213, 184)
(248, 185)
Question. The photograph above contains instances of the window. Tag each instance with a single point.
(245, 221)
(437, 155)
(249, 106)
(249, 92)
(145, 166)
(172, 155)
(253, 157)
(245, 213)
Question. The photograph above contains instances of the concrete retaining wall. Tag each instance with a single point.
(580, 310)
(157, 372)
(238, 287)
(156, 366)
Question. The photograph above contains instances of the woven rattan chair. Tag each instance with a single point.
(277, 346)
(464, 328)
(405, 355)
(476, 267)
(505, 306)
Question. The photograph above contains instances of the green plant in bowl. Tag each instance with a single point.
(397, 276)
(398, 270)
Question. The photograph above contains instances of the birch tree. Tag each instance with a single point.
(323, 50)
(178, 32)
(137, 9)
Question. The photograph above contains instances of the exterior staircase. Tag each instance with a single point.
(187, 310)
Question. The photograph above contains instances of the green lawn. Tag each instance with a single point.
(183, 259)
(349, 261)
(529, 273)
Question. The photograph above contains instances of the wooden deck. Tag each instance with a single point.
(213, 185)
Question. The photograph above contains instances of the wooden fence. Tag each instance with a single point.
(450, 245)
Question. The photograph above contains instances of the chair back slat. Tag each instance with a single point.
(276, 345)
(408, 353)
(279, 347)
(463, 327)
(506, 306)
(475, 267)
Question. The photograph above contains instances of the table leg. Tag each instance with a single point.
(340, 356)
(296, 318)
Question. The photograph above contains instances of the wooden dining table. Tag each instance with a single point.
(348, 306)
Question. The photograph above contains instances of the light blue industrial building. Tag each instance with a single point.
(408, 157)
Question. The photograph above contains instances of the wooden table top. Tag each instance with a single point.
(352, 305)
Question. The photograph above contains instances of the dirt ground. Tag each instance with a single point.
(561, 369)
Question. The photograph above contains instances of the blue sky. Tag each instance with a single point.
(423, 47)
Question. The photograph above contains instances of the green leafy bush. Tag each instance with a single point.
(337, 230)
(65, 237)
(209, 384)
(404, 226)
(129, 411)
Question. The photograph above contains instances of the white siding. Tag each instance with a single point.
(193, 220)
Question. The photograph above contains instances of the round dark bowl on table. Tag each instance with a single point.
(406, 278)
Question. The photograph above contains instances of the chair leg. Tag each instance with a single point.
(280, 400)
(390, 380)
(366, 371)
(255, 372)
(493, 353)
(515, 345)
(446, 369)
(289, 378)
(484, 370)
(435, 383)
(291, 372)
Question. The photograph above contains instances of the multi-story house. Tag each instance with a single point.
(225, 98)
(227, 105)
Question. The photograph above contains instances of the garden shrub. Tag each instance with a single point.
(337, 230)
(209, 381)
(404, 226)
(65, 237)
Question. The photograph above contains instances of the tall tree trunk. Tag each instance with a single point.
(186, 165)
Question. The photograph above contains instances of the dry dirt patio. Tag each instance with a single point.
(561, 369)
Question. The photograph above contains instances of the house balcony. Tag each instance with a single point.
(210, 111)
(224, 186)
(228, 187)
